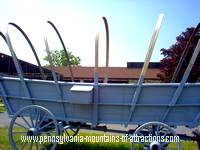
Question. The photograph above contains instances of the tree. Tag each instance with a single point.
(173, 54)
(59, 58)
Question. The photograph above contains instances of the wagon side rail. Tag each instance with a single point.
(182, 83)
(18, 66)
(96, 76)
(145, 67)
(32, 48)
(97, 52)
(2, 88)
(58, 88)
(64, 48)
(184, 54)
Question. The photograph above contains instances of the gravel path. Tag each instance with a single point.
(4, 119)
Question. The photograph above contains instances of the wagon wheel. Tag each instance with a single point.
(33, 122)
(155, 129)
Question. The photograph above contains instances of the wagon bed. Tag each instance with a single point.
(113, 105)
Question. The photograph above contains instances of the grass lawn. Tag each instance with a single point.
(2, 107)
(4, 143)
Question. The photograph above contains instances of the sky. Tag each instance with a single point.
(131, 25)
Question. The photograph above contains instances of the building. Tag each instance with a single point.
(127, 74)
(7, 68)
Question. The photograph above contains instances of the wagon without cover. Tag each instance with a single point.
(43, 107)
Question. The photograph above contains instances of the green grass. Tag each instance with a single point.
(2, 107)
(95, 145)
(4, 143)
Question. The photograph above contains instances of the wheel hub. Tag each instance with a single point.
(155, 146)
(32, 132)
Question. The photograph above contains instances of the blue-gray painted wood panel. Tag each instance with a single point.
(114, 101)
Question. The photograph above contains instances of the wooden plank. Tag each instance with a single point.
(184, 54)
(145, 66)
(184, 79)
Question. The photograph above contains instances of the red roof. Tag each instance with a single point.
(113, 72)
